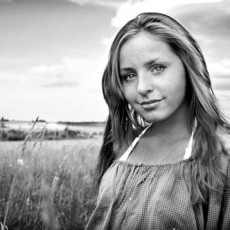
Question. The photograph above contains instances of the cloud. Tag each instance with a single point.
(132, 8)
(223, 85)
(221, 67)
(51, 76)
(61, 83)
(221, 82)
(5, 77)
(104, 3)
(26, 1)
(206, 19)
(209, 24)
(5, 1)
(70, 72)
(13, 61)
(223, 98)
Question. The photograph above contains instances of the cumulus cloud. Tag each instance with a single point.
(73, 83)
(48, 75)
(131, 8)
(71, 72)
(7, 60)
(223, 85)
(104, 3)
(206, 19)
(5, 1)
(61, 83)
(220, 67)
(52, 76)
(221, 82)
(209, 23)
(5, 77)
(223, 98)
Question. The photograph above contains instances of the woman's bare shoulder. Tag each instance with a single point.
(225, 138)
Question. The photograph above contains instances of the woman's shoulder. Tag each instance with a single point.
(225, 138)
(224, 151)
(225, 160)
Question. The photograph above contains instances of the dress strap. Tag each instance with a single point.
(188, 150)
(125, 156)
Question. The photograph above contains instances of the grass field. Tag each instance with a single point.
(47, 185)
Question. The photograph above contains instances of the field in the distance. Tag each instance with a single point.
(18, 130)
(48, 184)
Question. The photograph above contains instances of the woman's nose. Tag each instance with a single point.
(144, 85)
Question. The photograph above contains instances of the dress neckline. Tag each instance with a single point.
(145, 165)
(126, 154)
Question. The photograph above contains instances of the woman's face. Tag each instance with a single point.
(153, 77)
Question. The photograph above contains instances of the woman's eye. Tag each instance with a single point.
(158, 68)
(128, 77)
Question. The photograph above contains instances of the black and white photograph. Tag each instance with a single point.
(115, 114)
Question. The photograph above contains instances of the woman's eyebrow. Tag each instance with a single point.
(126, 69)
(155, 61)
(152, 62)
(147, 64)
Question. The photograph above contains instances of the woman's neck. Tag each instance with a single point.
(174, 126)
(164, 141)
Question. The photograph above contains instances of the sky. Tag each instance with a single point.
(53, 52)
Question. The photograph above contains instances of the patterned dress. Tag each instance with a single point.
(147, 197)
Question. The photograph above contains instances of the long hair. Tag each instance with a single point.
(124, 124)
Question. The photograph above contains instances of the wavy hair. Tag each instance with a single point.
(124, 124)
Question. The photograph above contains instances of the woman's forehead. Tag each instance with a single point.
(146, 48)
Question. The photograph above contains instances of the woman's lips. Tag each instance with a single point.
(150, 103)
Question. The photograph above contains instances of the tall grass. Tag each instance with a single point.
(47, 185)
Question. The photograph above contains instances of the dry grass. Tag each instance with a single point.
(47, 185)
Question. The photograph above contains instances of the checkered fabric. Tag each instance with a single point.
(147, 197)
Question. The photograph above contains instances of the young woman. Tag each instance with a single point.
(163, 163)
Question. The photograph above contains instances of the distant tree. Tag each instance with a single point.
(4, 119)
(2, 122)
(41, 120)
